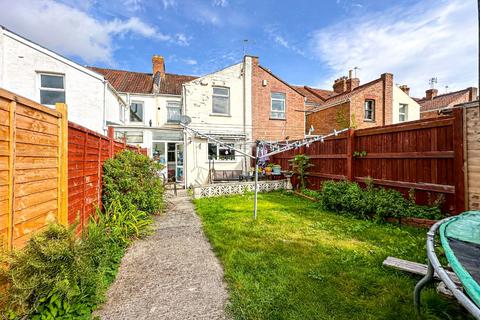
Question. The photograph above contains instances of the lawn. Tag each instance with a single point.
(299, 262)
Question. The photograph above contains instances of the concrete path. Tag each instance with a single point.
(172, 274)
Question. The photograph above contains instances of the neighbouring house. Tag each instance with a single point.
(278, 108)
(433, 103)
(154, 107)
(376, 103)
(35, 72)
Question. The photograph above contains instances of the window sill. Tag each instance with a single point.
(219, 115)
(368, 120)
(279, 119)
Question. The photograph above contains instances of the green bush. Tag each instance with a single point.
(349, 198)
(131, 179)
(59, 276)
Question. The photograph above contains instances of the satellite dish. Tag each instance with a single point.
(185, 120)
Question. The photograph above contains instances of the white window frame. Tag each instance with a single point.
(223, 96)
(178, 106)
(365, 118)
(404, 113)
(284, 100)
(40, 88)
(218, 151)
(143, 112)
(125, 134)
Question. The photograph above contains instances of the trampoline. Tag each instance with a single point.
(460, 239)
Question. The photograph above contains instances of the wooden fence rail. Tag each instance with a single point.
(426, 156)
(50, 169)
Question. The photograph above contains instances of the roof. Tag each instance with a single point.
(443, 100)
(311, 97)
(140, 82)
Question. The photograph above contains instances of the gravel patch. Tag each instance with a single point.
(172, 274)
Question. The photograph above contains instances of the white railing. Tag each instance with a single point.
(223, 189)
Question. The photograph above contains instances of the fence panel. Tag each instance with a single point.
(30, 165)
(472, 140)
(425, 156)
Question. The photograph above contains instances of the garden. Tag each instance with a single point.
(60, 274)
(302, 260)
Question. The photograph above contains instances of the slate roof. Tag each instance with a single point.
(139, 82)
(444, 100)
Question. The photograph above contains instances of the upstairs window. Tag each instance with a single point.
(221, 100)
(277, 109)
(52, 88)
(174, 112)
(403, 112)
(219, 152)
(136, 112)
(369, 110)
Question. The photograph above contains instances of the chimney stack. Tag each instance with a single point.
(340, 85)
(405, 89)
(158, 65)
(431, 93)
(351, 83)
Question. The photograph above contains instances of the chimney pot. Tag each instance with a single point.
(350, 74)
(431, 93)
(405, 89)
(158, 65)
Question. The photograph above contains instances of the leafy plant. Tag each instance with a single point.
(131, 179)
(300, 164)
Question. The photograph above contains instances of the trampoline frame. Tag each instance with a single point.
(435, 266)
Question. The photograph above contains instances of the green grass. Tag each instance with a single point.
(298, 262)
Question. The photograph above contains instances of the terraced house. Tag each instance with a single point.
(433, 104)
(236, 105)
(351, 104)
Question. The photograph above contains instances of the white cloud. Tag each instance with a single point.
(71, 31)
(433, 38)
(133, 5)
(169, 4)
(190, 62)
(220, 3)
(281, 41)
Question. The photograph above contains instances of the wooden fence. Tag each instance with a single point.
(426, 156)
(50, 170)
(472, 148)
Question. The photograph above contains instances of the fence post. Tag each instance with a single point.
(62, 164)
(350, 158)
(111, 138)
(458, 165)
(12, 106)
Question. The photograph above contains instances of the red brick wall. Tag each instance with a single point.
(468, 96)
(324, 121)
(380, 90)
(265, 128)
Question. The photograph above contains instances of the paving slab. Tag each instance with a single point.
(172, 274)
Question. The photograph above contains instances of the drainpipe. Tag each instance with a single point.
(104, 122)
(185, 145)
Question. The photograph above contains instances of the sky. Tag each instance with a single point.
(303, 42)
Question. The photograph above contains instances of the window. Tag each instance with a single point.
(174, 112)
(403, 112)
(130, 136)
(277, 110)
(369, 110)
(121, 114)
(136, 112)
(218, 152)
(221, 100)
(52, 88)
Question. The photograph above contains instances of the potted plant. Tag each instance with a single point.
(269, 168)
(300, 164)
(276, 169)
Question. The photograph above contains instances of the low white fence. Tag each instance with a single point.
(223, 189)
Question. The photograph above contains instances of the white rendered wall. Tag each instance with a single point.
(400, 97)
(84, 92)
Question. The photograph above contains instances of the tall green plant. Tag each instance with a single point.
(132, 180)
(300, 164)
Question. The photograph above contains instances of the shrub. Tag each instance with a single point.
(300, 164)
(349, 198)
(131, 179)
